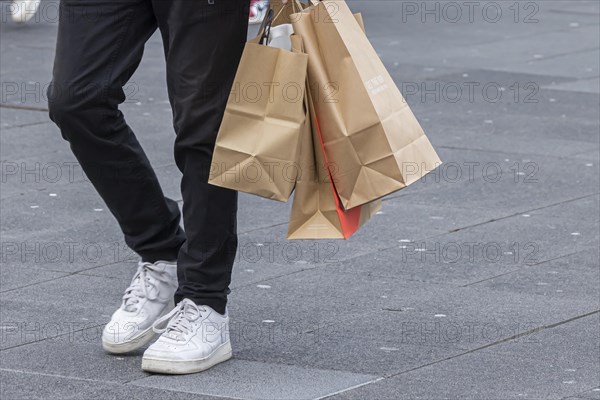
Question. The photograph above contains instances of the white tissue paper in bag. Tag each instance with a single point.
(280, 37)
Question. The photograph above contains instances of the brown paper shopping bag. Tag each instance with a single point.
(317, 212)
(373, 141)
(258, 143)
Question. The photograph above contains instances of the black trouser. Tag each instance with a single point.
(100, 44)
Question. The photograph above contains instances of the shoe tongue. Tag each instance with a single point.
(130, 303)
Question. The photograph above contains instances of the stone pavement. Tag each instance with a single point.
(482, 282)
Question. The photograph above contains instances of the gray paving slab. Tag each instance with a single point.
(591, 85)
(472, 28)
(15, 276)
(572, 276)
(507, 191)
(246, 270)
(30, 141)
(42, 386)
(322, 346)
(376, 234)
(478, 254)
(436, 261)
(70, 356)
(394, 305)
(58, 308)
(506, 53)
(473, 119)
(306, 250)
(514, 369)
(581, 63)
(12, 117)
(261, 381)
(67, 251)
(301, 297)
(528, 240)
(408, 332)
(464, 319)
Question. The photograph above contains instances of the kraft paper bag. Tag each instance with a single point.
(373, 141)
(258, 143)
(316, 209)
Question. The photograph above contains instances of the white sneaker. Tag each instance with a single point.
(195, 339)
(149, 297)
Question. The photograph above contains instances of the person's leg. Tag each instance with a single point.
(99, 46)
(203, 45)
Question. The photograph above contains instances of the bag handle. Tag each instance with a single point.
(264, 32)
(297, 6)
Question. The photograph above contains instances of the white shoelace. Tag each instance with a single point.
(140, 285)
(180, 320)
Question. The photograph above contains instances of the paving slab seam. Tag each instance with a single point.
(19, 371)
(36, 283)
(100, 276)
(402, 278)
(69, 274)
(20, 107)
(28, 125)
(399, 277)
(512, 39)
(571, 12)
(529, 332)
(575, 395)
(451, 231)
(112, 383)
(520, 213)
(519, 269)
(349, 389)
(568, 53)
(392, 343)
(277, 277)
(71, 182)
(264, 227)
(529, 154)
(507, 216)
(132, 383)
(53, 337)
(473, 226)
(526, 266)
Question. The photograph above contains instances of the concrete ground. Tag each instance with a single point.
(482, 282)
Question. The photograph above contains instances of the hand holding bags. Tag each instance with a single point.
(258, 142)
(373, 141)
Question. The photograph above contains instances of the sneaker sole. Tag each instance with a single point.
(179, 367)
(131, 345)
